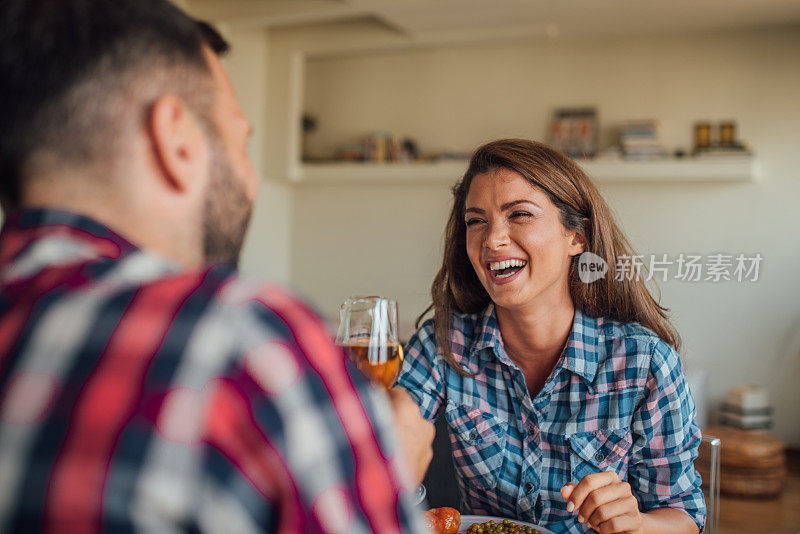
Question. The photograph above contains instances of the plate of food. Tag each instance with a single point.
(489, 524)
(450, 521)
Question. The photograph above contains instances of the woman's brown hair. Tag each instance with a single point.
(456, 286)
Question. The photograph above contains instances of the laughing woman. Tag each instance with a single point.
(564, 395)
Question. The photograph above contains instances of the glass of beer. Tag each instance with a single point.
(368, 332)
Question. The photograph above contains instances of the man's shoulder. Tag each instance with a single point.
(261, 297)
(223, 323)
(224, 285)
(219, 298)
(244, 301)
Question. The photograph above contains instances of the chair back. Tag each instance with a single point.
(440, 480)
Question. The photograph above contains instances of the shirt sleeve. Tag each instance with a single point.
(299, 441)
(666, 439)
(421, 374)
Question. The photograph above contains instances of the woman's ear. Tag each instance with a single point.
(578, 241)
(577, 244)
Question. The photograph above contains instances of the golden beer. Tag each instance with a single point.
(379, 362)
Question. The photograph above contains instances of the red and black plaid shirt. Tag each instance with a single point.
(137, 396)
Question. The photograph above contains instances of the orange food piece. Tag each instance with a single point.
(443, 520)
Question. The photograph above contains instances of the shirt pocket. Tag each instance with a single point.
(479, 442)
(602, 450)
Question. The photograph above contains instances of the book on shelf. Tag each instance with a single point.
(640, 140)
(642, 128)
(633, 142)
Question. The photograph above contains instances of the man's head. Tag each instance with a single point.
(126, 98)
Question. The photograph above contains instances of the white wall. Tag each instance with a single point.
(386, 239)
(457, 97)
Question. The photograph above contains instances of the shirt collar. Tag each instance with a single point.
(26, 225)
(487, 331)
(580, 353)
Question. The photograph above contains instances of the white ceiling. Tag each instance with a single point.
(418, 19)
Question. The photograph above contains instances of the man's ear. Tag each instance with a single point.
(178, 142)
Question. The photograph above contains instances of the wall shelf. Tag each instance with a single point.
(673, 170)
(686, 170)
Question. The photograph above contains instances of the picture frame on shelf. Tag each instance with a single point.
(573, 131)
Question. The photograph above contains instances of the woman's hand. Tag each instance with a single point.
(604, 503)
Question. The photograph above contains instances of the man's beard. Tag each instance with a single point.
(226, 209)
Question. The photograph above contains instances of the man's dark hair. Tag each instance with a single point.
(212, 38)
(69, 69)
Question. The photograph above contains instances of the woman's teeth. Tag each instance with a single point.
(498, 265)
(504, 269)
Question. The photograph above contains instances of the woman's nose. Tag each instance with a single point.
(496, 236)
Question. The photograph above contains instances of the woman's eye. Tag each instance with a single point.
(520, 214)
(473, 222)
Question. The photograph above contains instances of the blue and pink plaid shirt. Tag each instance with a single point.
(136, 396)
(616, 400)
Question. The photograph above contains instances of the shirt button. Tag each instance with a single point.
(528, 487)
(599, 457)
(532, 432)
(473, 435)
